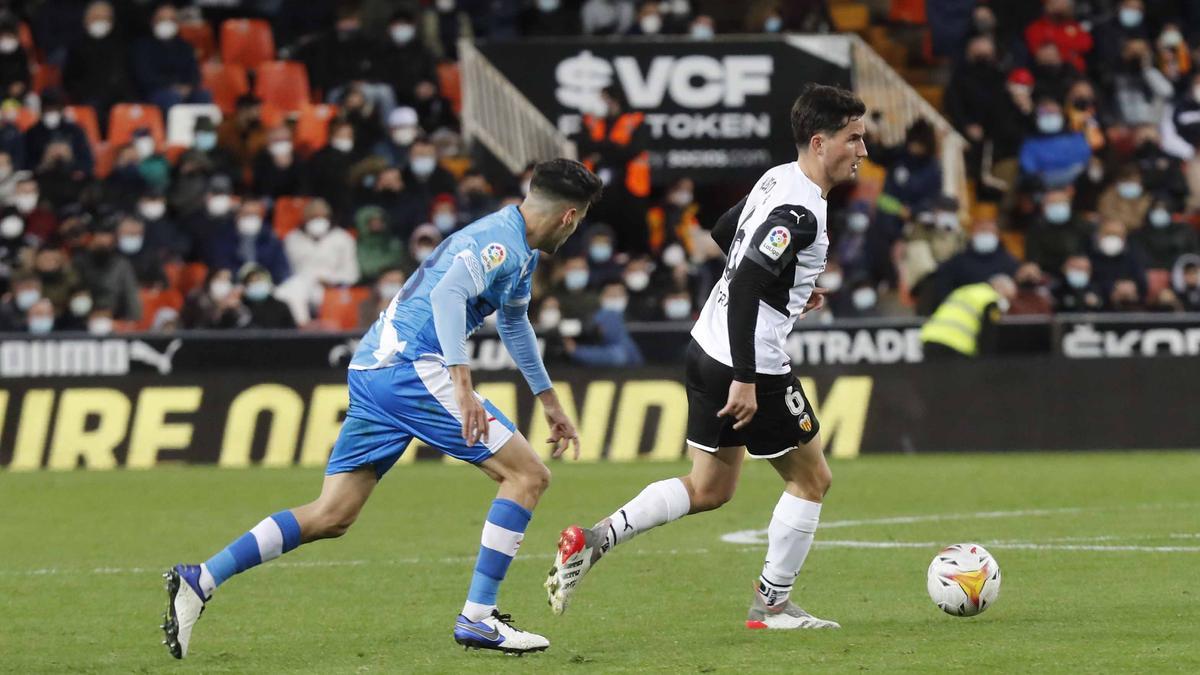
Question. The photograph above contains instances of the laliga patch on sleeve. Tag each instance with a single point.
(492, 256)
(775, 243)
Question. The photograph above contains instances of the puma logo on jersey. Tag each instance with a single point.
(798, 216)
(775, 243)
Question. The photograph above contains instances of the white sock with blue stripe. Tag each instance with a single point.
(502, 535)
(269, 539)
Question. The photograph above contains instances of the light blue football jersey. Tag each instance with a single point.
(501, 264)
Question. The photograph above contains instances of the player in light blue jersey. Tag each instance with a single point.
(410, 378)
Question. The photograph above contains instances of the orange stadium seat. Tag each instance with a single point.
(247, 42)
(126, 118)
(85, 117)
(45, 76)
(26, 117)
(1156, 281)
(199, 35)
(450, 83)
(339, 308)
(226, 82)
(25, 37)
(312, 127)
(191, 276)
(154, 300)
(289, 212)
(283, 84)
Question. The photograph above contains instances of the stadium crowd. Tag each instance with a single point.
(274, 164)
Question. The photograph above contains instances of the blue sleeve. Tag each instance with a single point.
(448, 300)
(517, 334)
(1028, 161)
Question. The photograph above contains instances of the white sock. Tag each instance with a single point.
(789, 536)
(477, 612)
(659, 503)
(207, 583)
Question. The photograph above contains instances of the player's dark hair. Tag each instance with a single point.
(822, 109)
(566, 179)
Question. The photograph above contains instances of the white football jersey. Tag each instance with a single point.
(782, 228)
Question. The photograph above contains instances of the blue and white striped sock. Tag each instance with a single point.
(502, 535)
(269, 539)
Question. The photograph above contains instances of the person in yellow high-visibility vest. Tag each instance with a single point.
(963, 326)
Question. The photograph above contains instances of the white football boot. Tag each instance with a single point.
(784, 616)
(576, 553)
(185, 604)
(497, 632)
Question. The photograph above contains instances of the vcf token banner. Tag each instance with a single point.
(712, 108)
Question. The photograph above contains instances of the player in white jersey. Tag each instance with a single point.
(742, 395)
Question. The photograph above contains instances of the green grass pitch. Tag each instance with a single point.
(1099, 554)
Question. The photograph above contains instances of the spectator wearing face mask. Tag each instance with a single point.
(54, 126)
(403, 131)
(604, 263)
(14, 62)
(151, 164)
(58, 277)
(861, 300)
(1033, 297)
(572, 289)
(964, 325)
(60, 182)
(125, 183)
(702, 27)
(676, 305)
(277, 169)
(914, 179)
(147, 263)
(649, 20)
(74, 316)
(613, 346)
(1126, 199)
(405, 209)
(674, 218)
(612, 142)
(1083, 114)
(266, 312)
(15, 244)
(976, 89)
(378, 247)
(1161, 172)
(163, 233)
(550, 18)
(1057, 232)
(443, 214)
(217, 304)
(424, 177)
(26, 201)
(424, 239)
(205, 147)
(1113, 259)
(96, 72)
(1076, 292)
(321, 252)
(1053, 156)
(39, 320)
(216, 215)
(863, 247)
(327, 173)
(1138, 89)
(164, 66)
(405, 60)
(1163, 237)
(607, 17)
(930, 240)
(475, 198)
(643, 298)
(107, 274)
(25, 290)
(1059, 28)
(1185, 281)
(983, 259)
(242, 133)
(244, 237)
(383, 291)
(341, 53)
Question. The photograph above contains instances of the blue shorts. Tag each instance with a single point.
(390, 406)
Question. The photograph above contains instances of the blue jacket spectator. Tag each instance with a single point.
(164, 66)
(914, 179)
(1051, 156)
(1114, 258)
(614, 347)
(247, 240)
(983, 259)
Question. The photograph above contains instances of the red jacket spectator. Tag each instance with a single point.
(1064, 31)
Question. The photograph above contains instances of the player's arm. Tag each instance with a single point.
(521, 342)
(772, 248)
(448, 299)
(726, 226)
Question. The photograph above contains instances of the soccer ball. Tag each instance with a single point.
(963, 579)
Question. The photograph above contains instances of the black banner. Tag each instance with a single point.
(1116, 336)
(712, 107)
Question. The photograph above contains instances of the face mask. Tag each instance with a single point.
(773, 24)
(575, 280)
(81, 305)
(99, 29)
(445, 5)
(1170, 39)
(863, 298)
(1160, 217)
(945, 221)
(129, 245)
(280, 149)
(1057, 212)
(549, 318)
(11, 227)
(206, 140)
(1111, 245)
(165, 30)
(52, 118)
(421, 253)
(525, 185)
(830, 281)
(548, 5)
(423, 166)
(1050, 123)
(403, 34)
(258, 291)
(857, 222)
(404, 135)
(600, 252)
(317, 227)
(1096, 173)
(677, 309)
(152, 210)
(1129, 190)
(144, 146)
(985, 242)
(249, 226)
(702, 32)
(26, 298)
(1130, 17)
(219, 289)
(674, 256)
(614, 304)
(388, 290)
(650, 24)
(40, 325)
(9, 44)
(219, 205)
(1077, 278)
(25, 202)
(637, 280)
(445, 221)
(101, 325)
(681, 198)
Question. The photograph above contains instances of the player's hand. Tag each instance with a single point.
(816, 300)
(742, 403)
(475, 416)
(562, 433)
